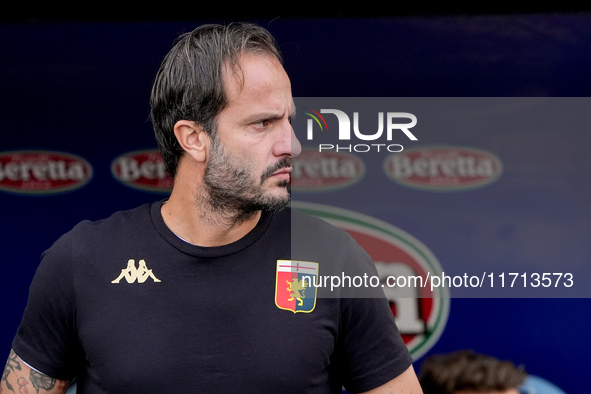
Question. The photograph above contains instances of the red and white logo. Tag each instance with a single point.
(314, 171)
(42, 172)
(421, 312)
(292, 292)
(443, 168)
(142, 170)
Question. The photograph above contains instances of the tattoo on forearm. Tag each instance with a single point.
(40, 381)
(12, 365)
(22, 382)
(5, 378)
(36, 379)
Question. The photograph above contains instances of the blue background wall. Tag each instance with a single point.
(83, 88)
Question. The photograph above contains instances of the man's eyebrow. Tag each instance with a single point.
(263, 116)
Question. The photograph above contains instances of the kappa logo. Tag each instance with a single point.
(296, 297)
(131, 273)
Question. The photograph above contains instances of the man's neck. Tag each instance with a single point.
(194, 222)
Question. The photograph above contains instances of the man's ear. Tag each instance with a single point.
(193, 139)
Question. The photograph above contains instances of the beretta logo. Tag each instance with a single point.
(42, 172)
(421, 314)
(443, 168)
(143, 170)
(314, 171)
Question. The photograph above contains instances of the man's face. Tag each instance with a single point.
(249, 164)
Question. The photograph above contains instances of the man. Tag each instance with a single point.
(467, 372)
(177, 296)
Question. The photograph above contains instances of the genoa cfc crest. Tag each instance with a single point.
(294, 285)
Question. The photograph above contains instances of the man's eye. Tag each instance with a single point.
(263, 123)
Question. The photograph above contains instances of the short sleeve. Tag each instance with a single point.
(370, 347)
(46, 338)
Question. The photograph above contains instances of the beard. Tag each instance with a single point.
(231, 189)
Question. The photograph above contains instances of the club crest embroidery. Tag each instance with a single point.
(294, 285)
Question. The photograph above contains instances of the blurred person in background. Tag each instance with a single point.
(468, 372)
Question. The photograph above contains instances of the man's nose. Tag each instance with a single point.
(296, 147)
(288, 143)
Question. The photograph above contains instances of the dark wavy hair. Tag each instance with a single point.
(189, 84)
(466, 370)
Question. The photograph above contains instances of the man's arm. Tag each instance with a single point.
(19, 378)
(405, 383)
